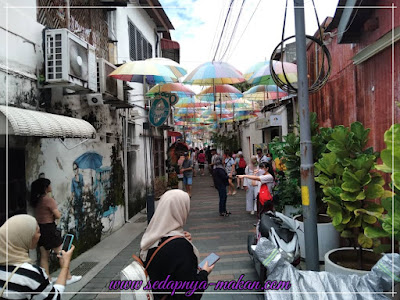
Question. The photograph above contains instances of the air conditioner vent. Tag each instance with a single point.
(69, 61)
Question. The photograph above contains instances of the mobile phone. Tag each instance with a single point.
(68, 238)
(211, 259)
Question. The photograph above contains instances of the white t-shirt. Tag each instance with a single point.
(268, 180)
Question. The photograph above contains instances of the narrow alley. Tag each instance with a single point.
(225, 236)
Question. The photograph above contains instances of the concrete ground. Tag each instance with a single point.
(226, 236)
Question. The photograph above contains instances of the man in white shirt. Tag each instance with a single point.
(260, 157)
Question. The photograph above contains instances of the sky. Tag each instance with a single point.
(198, 25)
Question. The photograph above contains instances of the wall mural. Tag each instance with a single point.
(90, 210)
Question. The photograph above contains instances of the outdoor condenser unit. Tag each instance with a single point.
(111, 88)
(69, 61)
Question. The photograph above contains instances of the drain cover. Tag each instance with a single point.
(141, 220)
(84, 267)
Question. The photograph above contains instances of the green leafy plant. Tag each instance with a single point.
(225, 142)
(173, 180)
(287, 192)
(350, 185)
(390, 201)
(289, 153)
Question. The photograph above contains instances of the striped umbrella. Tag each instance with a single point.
(176, 68)
(260, 73)
(144, 70)
(177, 88)
(264, 92)
(214, 73)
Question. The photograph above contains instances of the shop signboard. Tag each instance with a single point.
(159, 110)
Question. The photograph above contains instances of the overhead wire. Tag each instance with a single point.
(233, 30)
(215, 33)
(223, 29)
(234, 48)
(226, 34)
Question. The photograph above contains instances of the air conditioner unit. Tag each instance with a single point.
(69, 61)
(134, 113)
(94, 99)
(111, 88)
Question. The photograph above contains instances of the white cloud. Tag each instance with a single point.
(196, 23)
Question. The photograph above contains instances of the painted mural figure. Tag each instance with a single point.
(77, 185)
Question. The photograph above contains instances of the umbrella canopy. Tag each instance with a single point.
(89, 160)
(214, 73)
(177, 88)
(223, 92)
(176, 68)
(262, 75)
(138, 71)
(191, 102)
(264, 92)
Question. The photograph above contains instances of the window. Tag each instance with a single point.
(139, 47)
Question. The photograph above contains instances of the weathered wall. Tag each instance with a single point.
(361, 92)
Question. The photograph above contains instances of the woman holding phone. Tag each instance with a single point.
(22, 279)
(46, 212)
(178, 258)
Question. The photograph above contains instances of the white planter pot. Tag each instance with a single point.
(332, 267)
(328, 238)
(291, 210)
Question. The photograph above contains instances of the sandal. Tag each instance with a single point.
(228, 212)
(222, 214)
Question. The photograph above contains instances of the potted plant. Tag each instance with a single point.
(350, 185)
(173, 180)
(328, 237)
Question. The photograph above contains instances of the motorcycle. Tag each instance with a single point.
(281, 231)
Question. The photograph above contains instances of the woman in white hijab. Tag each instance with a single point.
(17, 235)
(178, 259)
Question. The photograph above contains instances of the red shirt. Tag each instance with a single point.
(201, 158)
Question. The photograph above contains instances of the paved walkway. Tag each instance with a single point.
(226, 236)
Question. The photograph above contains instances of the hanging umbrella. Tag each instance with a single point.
(144, 70)
(89, 160)
(264, 92)
(223, 92)
(263, 75)
(191, 102)
(176, 68)
(214, 73)
(177, 88)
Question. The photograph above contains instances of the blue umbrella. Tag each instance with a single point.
(89, 160)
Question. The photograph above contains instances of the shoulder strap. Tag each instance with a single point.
(162, 245)
(6, 283)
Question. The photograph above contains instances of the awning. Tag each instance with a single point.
(25, 122)
(169, 44)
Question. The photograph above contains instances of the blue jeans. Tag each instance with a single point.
(222, 199)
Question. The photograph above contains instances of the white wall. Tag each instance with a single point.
(250, 131)
(21, 51)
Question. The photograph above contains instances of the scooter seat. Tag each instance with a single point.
(269, 221)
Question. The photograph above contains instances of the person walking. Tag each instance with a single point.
(187, 171)
(251, 187)
(230, 170)
(46, 212)
(240, 164)
(260, 157)
(201, 158)
(221, 182)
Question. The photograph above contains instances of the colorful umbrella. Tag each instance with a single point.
(262, 75)
(138, 71)
(264, 92)
(214, 73)
(176, 68)
(223, 92)
(191, 102)
(177, 88)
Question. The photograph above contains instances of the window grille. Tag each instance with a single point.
(139, 47)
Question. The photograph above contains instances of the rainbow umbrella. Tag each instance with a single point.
(264, 92)
(191, 102)
(176, 68)
(177, 88)
(214, 73)
(263, 76)
(144, 70)
(223, 92)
